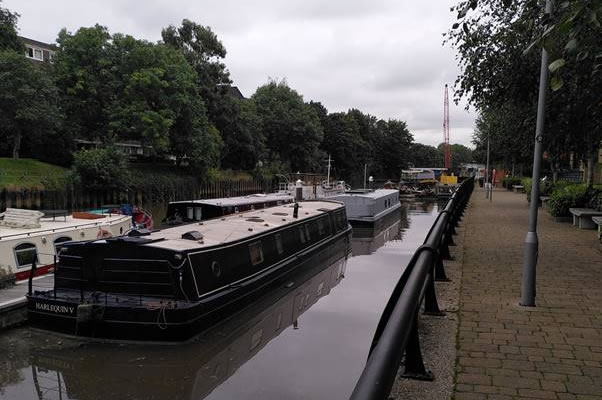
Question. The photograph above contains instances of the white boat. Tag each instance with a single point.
(369, 211)
(28, 235)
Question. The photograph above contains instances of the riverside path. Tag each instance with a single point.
(502, 350)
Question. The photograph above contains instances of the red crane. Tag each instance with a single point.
(446, 148)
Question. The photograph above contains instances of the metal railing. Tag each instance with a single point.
(396, 335)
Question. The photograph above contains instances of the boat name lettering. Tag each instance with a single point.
(55, 308)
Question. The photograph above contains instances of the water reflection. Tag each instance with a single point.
(75, 370)
(393, 228)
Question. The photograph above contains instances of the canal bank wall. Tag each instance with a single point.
(74, 198)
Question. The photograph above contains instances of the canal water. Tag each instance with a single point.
(309, 339)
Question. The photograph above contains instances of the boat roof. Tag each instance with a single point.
(237, 226)
(373, 194)
(241, 200)
(60, 224)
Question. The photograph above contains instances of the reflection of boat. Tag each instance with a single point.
(367, 210)
(169, 285)
(392, 229)
(191, 371)
(197, 210)
(28, 235)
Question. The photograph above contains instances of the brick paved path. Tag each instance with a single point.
(504, 351)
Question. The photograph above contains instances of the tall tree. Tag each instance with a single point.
(87, 81)
(291, 127)
(8, 30)
(422, 155)
(29, 112)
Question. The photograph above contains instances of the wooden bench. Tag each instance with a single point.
(518, 188)
(19, 218)
(598, 221)
(582, 217)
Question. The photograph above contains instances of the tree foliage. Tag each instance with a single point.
(499, 76)
(8, 31)
(291, 127)
(120, 88)
(101, 168)
(30, 116)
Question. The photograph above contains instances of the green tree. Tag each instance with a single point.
(8, 31)
(290, 126)
(392, 148)
(422, 155)
(460, 154)
(87, 81)
(29, 112)
(244, 143)
(120, 88)
(101, 168)
(499, 77)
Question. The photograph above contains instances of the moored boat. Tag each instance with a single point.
(29, 235)
(368, 211)
(196, 369)
(171, 284)
(198, 210)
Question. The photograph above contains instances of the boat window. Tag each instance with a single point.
(279, 321)
(302, 234)
(58, 242)
(190, 213)
(279, 246)
(198, 213)
(256, 253)
(320, 227)
(26, 253)
(307, 231)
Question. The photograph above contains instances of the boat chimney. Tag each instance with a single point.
(296, 211)
(299, 190)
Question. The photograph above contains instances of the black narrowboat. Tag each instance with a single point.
(193, 371)
(172, 284)
(199, 210)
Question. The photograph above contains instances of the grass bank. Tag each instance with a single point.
(29, 173)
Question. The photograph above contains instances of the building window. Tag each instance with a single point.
(58, 242)
(29, 52)
(26, 254)
(256, 253)
(37, 54)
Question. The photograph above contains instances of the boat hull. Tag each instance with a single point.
(139, 318)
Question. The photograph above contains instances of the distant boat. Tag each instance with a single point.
(199, 210)
(169, 285)
(29, 235)
(367, 209)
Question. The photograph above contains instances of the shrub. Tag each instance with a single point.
(102, 168)
(565, 197)
(510, 181)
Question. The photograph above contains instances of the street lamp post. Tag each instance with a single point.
(531, 240)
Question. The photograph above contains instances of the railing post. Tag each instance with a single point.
(32, 272)
(414, 363)
(440, 275)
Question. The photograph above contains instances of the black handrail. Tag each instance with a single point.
(397, 330)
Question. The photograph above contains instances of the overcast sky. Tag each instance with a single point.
(382, 57)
